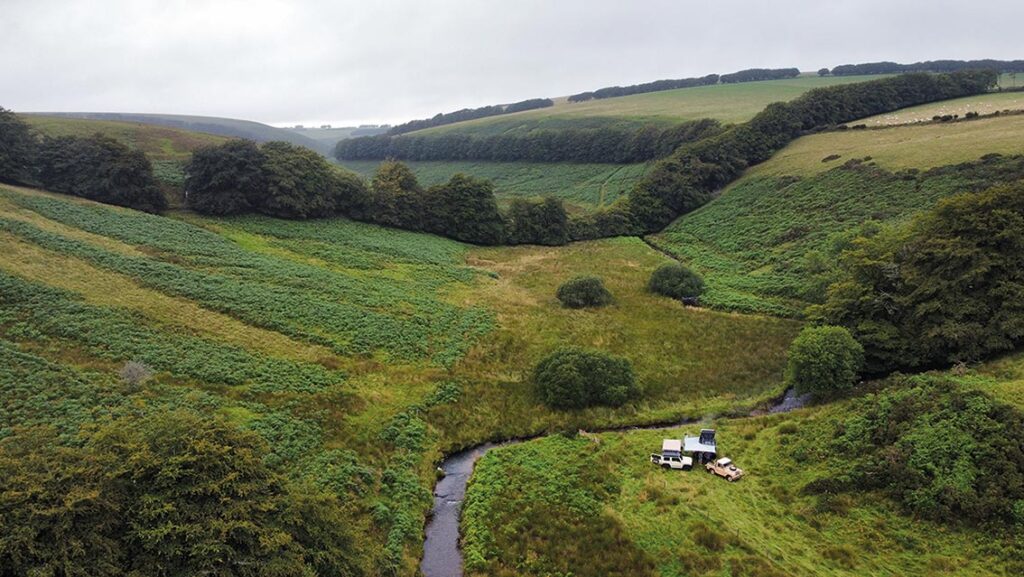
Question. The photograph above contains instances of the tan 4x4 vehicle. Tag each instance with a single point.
(724, 467)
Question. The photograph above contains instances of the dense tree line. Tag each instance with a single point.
(656, 86)
(928, 66)
(277, 179)
(758, 74)
(749, 75)
(443, 118)
(686, 179)
(95, 167)
(166, 494)
(594, 145)
(946, 288)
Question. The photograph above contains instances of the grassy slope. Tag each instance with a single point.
(725, 102)
(756, 242)
(157, 142)
(984, 104)
(579, 185)
(318, 334)
(692, 523)
(917, 146)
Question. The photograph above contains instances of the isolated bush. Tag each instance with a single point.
(574, 378)
(582, 292)
(676, 281)
(99, 168)
(824, 361)
(135, 374)
(16, 148)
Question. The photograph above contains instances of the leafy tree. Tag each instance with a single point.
(299, 183)
(396, 197)
(574, 378)
(99, 168)
(824, 72)
(165, 495)
(537, 222)
(582, 292)
(225, 179)
(947, 287)
(16, 148)
(824, 361)
(676, 281)
(464, 208)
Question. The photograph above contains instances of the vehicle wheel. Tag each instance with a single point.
(666, 467)
(730, 479)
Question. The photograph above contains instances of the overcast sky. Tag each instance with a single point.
(284, 62)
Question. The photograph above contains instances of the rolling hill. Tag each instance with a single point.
(229, 127)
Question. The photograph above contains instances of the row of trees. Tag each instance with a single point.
(758, 74)
(749, 75)
(927, 66)
(656, 86)
(594, 145)
(443, 118)
(95, 167)
(686, 179)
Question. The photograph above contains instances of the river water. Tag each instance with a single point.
(442, 556)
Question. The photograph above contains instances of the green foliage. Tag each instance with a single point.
(686, 179)
(574, 378)
(537, 222)
(225, 179)
(583, 292)
(16, 148)
(385, 310)
(538, 509)
(99, 168)
(945, 288)
(944, 452)
(464, 208)
(770, 244)
(824, 361)
(299, 183)
(167, 494)
(676, 281)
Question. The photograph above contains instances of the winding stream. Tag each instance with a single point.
(442, 556)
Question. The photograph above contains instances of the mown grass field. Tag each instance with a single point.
(730, 103)
(594, 505)
(581, 186)
(359, 353)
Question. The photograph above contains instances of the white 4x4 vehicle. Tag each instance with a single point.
(672, 462)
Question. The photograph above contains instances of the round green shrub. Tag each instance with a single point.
(824, 361)
(574, 378)
(676, 281)
(583, 291)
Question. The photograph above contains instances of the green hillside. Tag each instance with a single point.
(157, 142)
(984, 104)
(357, 353)
(726, 102)
(581, 186)
(761, 243)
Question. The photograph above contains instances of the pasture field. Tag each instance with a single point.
(358, 353)
(916, 146)
(594, 505)
(581, 186)
(983, 104)
(730, 103)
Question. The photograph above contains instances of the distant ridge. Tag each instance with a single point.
(211, 124)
